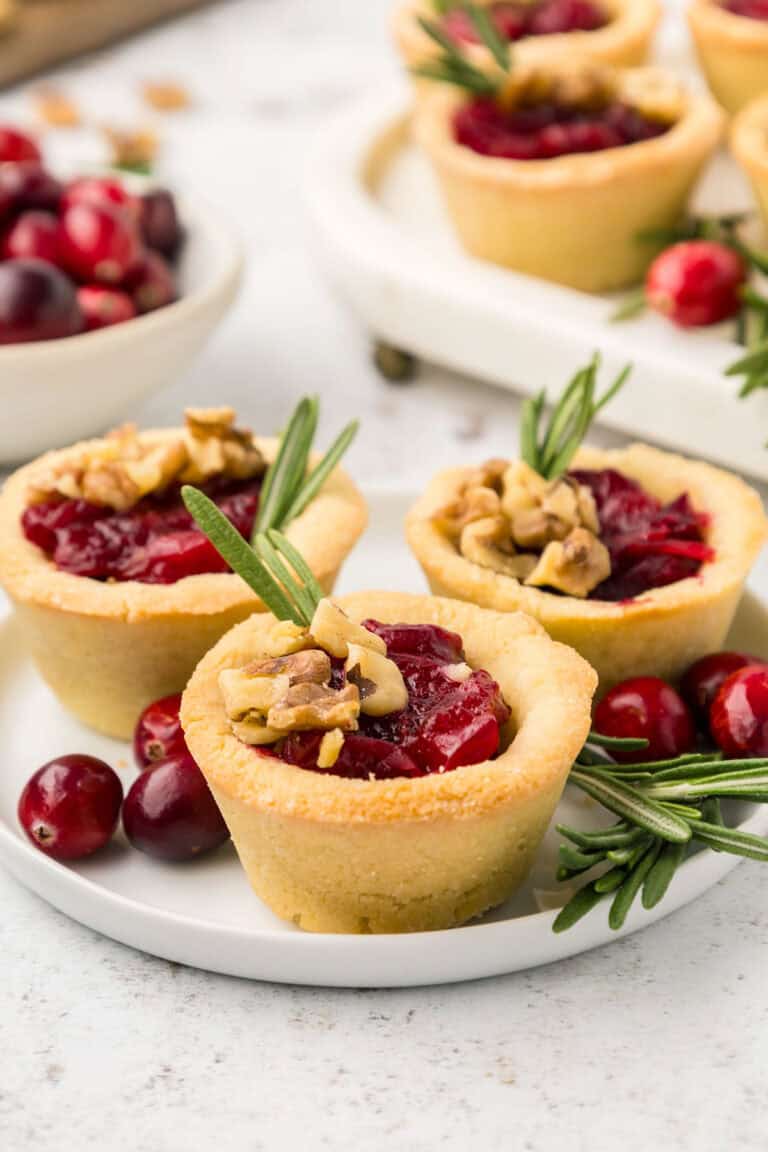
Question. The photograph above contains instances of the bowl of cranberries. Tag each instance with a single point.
(109, 288)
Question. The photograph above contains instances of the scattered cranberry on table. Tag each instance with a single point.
(701, 682)
(646, 708)
(158, 733)
(696, 283)
(70, 807)
(169, 812)
(738, 717)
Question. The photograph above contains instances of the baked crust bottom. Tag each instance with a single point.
(661, 632)
(108, 649)
(339, 855)
(732, 52)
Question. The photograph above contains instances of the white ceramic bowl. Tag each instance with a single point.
(54, 392)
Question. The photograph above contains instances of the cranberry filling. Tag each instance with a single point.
(751, 9)
(545, 130)
(446, 723)
(515, 20)
(155, 542)
(651, 544)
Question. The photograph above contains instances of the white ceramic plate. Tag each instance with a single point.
(206, 915)
(386, 240)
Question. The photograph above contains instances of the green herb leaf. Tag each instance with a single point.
(632, 804)
(577, 907)
(289, 467)
(660, 875)
(731, 840)
(625, 896)
(318, 476)
(488, 34)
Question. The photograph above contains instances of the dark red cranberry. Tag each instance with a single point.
(28, 186)
(37, 302)
(170, 813)
(70, 807)
(650, 709)
(463, 727)
(15, 145)
(419, 640)
(104, 191)
(158, 733)
(510, 20)
(750, 9)
(172, 557)
(738, 718)
(558, 16)
(362, 757)
(98, 243)
(32, 236)
(159, 223)
(102, 307)
(151, 283)
(702, 681)
(696, 283)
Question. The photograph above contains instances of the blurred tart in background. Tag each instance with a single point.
(731, 39)
(749, 143)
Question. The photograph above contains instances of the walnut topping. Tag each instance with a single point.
(330, 748)
(286, 637)
(308, 706)
(459, 673)
(475, 503)
(125, 466)
(378, 680)
(334, 631)
(257, 686)
(575, 565)
(488, 543)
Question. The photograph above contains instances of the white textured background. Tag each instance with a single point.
(658, 1042)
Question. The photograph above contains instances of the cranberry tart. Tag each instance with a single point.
(118, 592)
(731, 38)
(617, 32)
(557, 170)
(391, 766)
(749, 142)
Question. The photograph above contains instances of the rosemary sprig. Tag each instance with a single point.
(549, 448)
(452, 66)
(288, 486)
(273, 568)
(664, 807)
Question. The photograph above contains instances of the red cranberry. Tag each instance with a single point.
(159, 222)
(702, 681)
(70, 807)
(37, 302)
(104, 191)
(558, 16)
(102, 307)
(15, 146)
(170, 813)
(151, 283)
(32, 236)
(650, 709)
(750, 9)
(738, 718)
(28, 185)
(696, 283)
(158, 733)
(419, 640)
(98, 243)
(510, 20)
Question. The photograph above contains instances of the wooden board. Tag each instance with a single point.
(43, 33)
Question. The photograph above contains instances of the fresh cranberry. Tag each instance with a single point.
(419, 640)
(558, 16)
(169, 812)
(32, 236)
(651, 544)
(172, 557)
(27, 186)
(702, 681)
(102, 307)
(361, 758)
(98, 243)
(750, 9)
(510, 21)
(37, 302)
(16, 146)
(650, 709)
(159, 223)
(70, 807)
(696, 283)
(738, 718)
(104, 191)
(158, 733)
(151, 283)
(515, 20)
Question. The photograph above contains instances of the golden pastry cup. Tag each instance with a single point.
(749, 144)
(575, 220)
(732, 52)
(662, 631)
(625, 41)
(107, 649)
(405, 855)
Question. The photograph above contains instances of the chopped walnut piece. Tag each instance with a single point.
(309, 667)
(655, 94)
(378, 680)
(330, 748)
(217, 447)
(534, 528)
(132, 149)
(333, 630)
(488, 475)
(475, 503)
(250, 696)
(253, 730)
(459, 673)
(286, 637)
(489, 544)
(57, 109)
(166, 96)
(308, 706)
(575, 565)
(522, 488)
